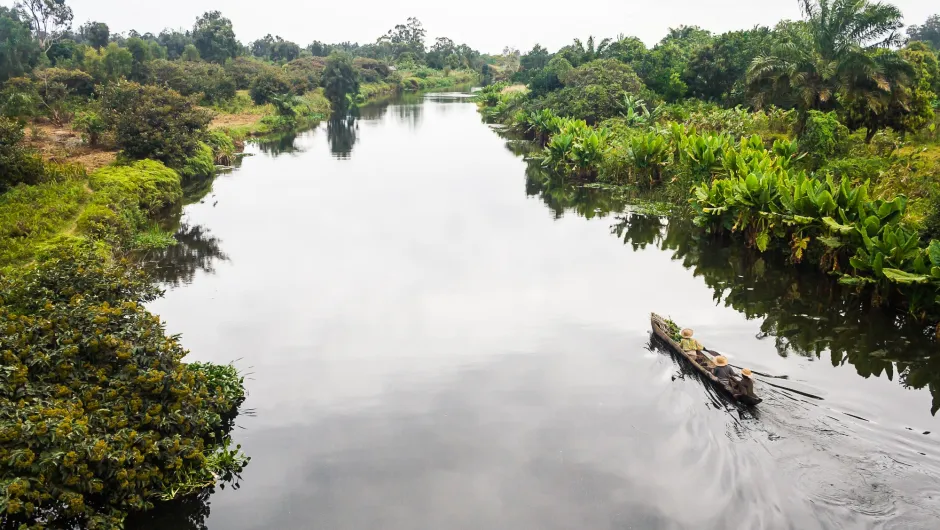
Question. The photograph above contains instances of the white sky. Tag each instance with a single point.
(487, 25)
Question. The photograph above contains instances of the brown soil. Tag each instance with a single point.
(63, 145)
(514, 88)
(222, 121)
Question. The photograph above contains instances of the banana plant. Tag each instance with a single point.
(702, 153)
(647, 153)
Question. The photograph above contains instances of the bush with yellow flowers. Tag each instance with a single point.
(98, 413)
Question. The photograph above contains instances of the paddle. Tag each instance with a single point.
(713, 352)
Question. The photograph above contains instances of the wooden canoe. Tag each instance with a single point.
(661, 330)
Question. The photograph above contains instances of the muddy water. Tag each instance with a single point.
(437, 337)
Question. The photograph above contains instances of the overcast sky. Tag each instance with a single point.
(487, 25)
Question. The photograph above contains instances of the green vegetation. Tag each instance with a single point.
(816, 139)
(98, 414)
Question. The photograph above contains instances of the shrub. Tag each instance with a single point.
(91, 126)
(201, 164)
(76, 82)
(244, 70)
(370, 70)
(267, 85)
(824, 137)
(223, 148)
(303, 74)
(594, 91)
(18, 165)
(153, 122)
(20, 98)
(210, 81)
(98, 413)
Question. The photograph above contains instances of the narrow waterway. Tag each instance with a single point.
(439, 338)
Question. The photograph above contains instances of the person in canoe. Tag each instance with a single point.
(690, 344)
(723, 372)
(745, 387)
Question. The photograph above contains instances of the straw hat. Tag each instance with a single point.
(721, 361)
(746, 372)
(687, 333)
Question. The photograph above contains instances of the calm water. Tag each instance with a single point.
(440, 338)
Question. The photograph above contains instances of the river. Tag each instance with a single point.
(438, 337)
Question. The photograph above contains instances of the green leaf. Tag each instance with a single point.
(836, 227)
(878, 263)
(903, 277)
(855, 280)
(763, 239)
(831, 242)
(934, 251)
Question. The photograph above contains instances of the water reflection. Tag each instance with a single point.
(803, 311)
(196, 250)
(341, 132)
(280, 143)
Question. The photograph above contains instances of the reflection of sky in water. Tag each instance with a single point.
(433, 348)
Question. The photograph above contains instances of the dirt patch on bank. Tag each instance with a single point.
(231, 121)
(514, 88)
(63, 145)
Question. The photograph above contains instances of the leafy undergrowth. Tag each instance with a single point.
(31, 215)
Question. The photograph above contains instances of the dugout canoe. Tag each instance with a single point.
(661, 330)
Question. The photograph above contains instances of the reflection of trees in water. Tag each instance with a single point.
(196, 250)
(279, 143)
(187, 513)
(410, 115)
(804, 311)
(560, 196)
(342, 132)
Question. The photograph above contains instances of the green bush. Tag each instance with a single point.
(594, 91)
(370, 70)
(223, 148)
(244, 70)
(211, 81)
(98, 413)
(824, 137)
(18, 165)
(91, 126)
(76, 82)
(303, 74)
(268, 85)
(200, 165)
(153, 122)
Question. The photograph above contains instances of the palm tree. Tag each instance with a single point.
(584, 52)
(829, 52)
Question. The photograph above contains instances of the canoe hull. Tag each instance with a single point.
(660, 331)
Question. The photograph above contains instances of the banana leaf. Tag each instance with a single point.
(905, 278)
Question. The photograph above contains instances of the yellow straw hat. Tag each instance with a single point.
(721, 361)
(687, 333)
(746, 373)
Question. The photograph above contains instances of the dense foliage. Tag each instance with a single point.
(340, 80)
(98, 415)
(150, 122)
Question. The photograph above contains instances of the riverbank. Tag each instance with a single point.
(823, 196)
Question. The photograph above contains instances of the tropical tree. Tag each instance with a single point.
(929, 32)
(830, 52)
(579, 52)
(18, 51)
(50, 20)
(340, 79)
(214, 37)
(96, 34)
(717, 70)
